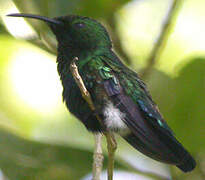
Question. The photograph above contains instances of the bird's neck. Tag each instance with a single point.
(67, 54)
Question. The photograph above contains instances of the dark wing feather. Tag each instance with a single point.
(150, 134)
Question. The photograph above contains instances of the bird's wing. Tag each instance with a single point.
(118, 82)
(150, 134)
(122, 86)
(107, 79)
(135, 89)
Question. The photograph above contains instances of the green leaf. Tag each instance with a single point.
(188, 113)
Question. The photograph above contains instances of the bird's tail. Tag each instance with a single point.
(188, 164)
(180, 157)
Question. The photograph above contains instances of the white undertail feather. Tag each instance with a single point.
(114, 118)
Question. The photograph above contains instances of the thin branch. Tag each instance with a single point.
(97, 157)
(162, 38)
(111, 146)
(80, 83)
(111, 143)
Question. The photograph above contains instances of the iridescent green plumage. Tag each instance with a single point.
(120, 97)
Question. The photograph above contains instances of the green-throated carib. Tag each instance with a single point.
(120, 97)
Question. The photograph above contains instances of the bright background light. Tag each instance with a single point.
(35, 79)
(18, 27)
(140, 23)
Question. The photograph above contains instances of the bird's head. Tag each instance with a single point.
(77, 32)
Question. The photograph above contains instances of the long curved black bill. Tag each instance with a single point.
(46, 19)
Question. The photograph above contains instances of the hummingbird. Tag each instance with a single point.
(120, 97)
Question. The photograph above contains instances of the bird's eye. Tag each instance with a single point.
(79, 25)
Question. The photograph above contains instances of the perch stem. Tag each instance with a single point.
(111, 146)
(111, 143)
(97, 157)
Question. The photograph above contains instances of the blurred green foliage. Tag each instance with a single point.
(27, 160)
(178, 89)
